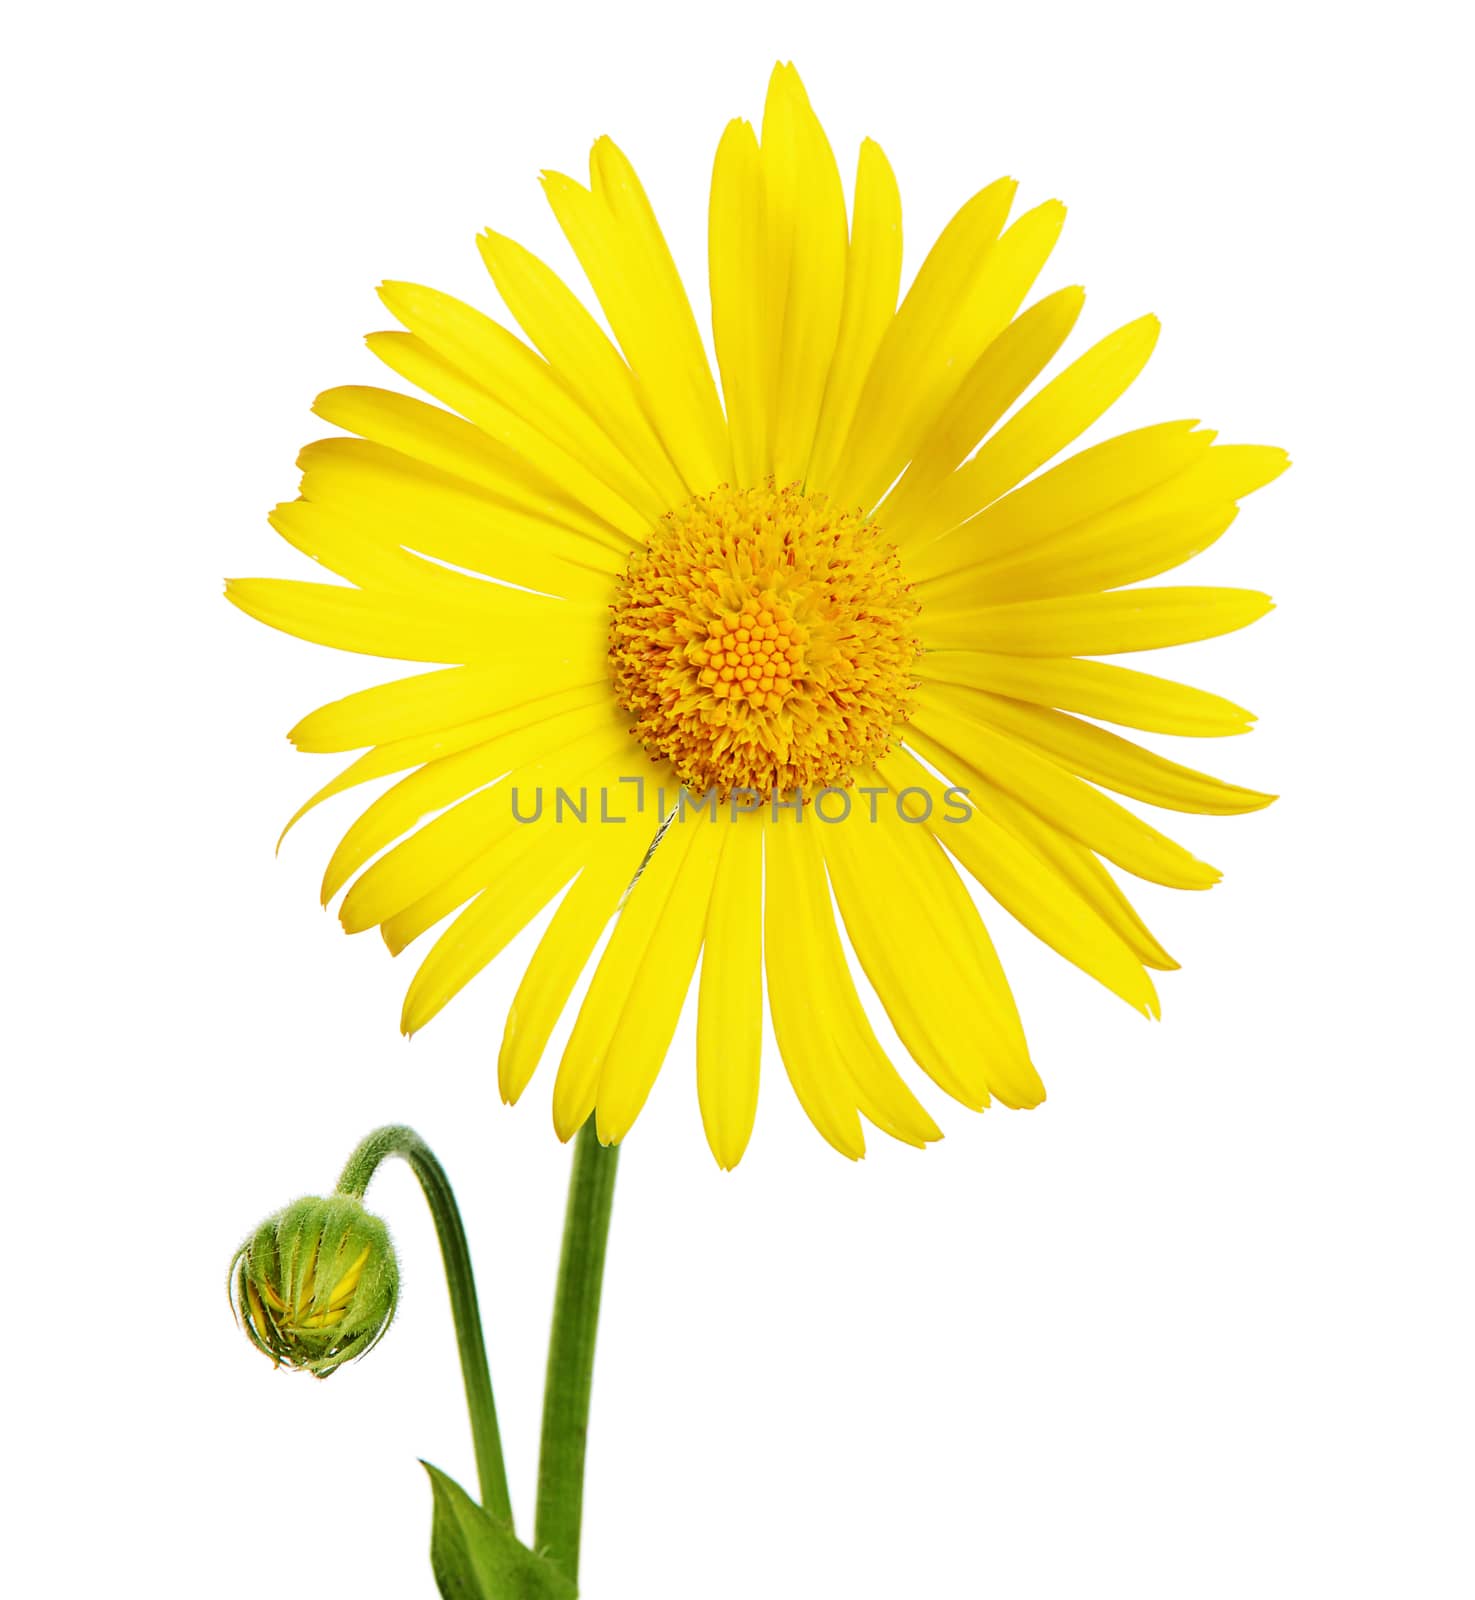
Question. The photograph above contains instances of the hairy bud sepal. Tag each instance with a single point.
(316, 1284)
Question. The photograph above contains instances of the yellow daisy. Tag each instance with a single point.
(703, 660)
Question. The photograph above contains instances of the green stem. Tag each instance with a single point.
(571, 1350)
(410, 1147)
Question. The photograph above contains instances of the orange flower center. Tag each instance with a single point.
(763, 641)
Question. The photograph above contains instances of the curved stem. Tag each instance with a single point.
(571, 1350)
(410, 1147)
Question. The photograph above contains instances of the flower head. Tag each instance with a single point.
(316, 1284)
(853, 598)
(762, 639)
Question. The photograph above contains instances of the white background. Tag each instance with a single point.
(1199, 1326)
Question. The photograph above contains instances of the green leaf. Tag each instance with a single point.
(477, 1557)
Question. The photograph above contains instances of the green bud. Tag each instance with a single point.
(316, 1284)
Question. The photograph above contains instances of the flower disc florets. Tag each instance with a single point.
(763, 641)
(316, 1284)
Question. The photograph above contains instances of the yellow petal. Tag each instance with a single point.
(1117, 623)
(1148, 535)
(1106, 758)
(632, 1051)
(1083, 485)
(995, 381)
(450, 697)
(409, 627)
(1093, 688)
(1101, 553)
(453, 445)
(581, 354)
(499, 362)
(541, 462)
(805, 245)
(615, 235)
(1062, 799)
(1026, 883)
(420, 748)
(515, 740)
(405, 503)
(614, 853)
(579, 776)
(528, 881)
(448, 856)
(273, 1299)
(257, 1322)
(730, 1009)
(331, 540)
(872, 277)
(735, 228)
(348, 546)
(1057, 416)
(350, 1279)
(918, 349)
(1224, 472)
(1081, 869)
(600, 1032)
(929, 958)
(833, 1059)
(996, 280)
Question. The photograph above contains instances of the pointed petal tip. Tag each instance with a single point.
(727, 1151)
(1277, 459)
(568, 1115)
(1027, 1102)
(512, 1093)
(494, 248)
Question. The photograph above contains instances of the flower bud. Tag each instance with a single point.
(316, 1284)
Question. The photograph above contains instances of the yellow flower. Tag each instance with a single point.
(819, 601)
